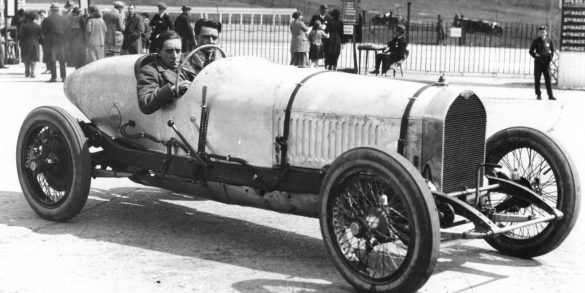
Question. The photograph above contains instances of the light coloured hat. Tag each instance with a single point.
(55, 7)
(119, 4)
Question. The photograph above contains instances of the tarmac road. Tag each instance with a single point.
(131, 238)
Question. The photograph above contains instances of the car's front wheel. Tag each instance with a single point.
(539, 163)
(53, 163)
(379, 222)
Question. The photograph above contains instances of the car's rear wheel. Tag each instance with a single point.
(53, 163)
(537, 162)
(379, 222)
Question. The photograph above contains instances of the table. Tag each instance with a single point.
(367, 47)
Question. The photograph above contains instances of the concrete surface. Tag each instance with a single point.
(132, 238)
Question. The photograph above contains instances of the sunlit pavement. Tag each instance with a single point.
(131, 238)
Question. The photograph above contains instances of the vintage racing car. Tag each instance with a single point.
(391, 168)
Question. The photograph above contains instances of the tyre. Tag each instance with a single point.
(544, 167)
(379, 222)
(53, 163)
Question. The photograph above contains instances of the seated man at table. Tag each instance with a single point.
(395, 51)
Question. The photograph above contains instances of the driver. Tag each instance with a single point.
(156, 80)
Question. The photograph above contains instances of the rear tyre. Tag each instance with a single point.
(53, 163)
(544, 167)
(379, 222)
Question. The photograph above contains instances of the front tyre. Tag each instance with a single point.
(379, 222)
(538, 162)
(53, 163)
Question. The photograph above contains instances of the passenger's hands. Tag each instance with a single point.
(183, 87)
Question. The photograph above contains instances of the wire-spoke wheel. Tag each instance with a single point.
(537, 162)
(379, 222)
(53, 163)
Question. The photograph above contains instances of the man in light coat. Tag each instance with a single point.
(96, 35)
(114, 20)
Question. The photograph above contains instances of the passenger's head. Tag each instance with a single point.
(207, 31)
(169, 49)
(335, 13)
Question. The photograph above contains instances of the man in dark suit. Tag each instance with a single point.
(395, 52)
(161, 22)
(132, 33)
(53, 28)
(542, 51)
(184, 28)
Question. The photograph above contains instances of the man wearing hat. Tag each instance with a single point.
(395, 52)
(160, 23)
(53, 28)
(133, 32)
(184, 28)
(542, 51)
(115, 22)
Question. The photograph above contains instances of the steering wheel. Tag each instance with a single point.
(186, 59)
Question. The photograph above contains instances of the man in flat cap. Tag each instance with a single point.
(542, 51)
(133, 32)
(160, 23)
(395, 51)
(114, 20)
(53, 29)
(184, 28)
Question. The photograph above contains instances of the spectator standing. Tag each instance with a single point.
(42, 16)
(324, 18)
(160, 23)
(30, 34)
(133, 33)
(440, 31)
(114, 20)
(185, 30)
(299, 45)
(2, 52)
(395, 52)
(316, 37)
(53, 28)
(147, 32)
(542, 51)
(17, 21)
(76, 34)
(96, 35)
(333, 48)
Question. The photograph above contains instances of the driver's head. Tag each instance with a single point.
(170, 49)
(207, 31)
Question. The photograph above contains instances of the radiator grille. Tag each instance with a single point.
(464, 145)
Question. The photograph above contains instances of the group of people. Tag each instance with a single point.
(73, 38)
(322, 41)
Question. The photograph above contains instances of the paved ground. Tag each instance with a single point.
(131, 238)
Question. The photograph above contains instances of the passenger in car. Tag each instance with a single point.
(206, 33)
(156, 80)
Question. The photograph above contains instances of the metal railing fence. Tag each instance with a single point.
(477, 53)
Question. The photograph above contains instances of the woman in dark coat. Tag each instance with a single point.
(30, 34)
(335, 31)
